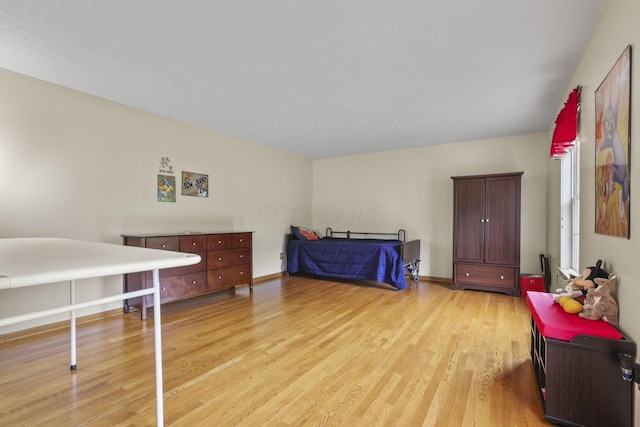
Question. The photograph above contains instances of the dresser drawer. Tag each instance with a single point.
(175, 271)
(503, 277)
(193, 244)
(240, 240)
(183, 286)
(169, 243)
(228, 277)
(217, 241)
(228, 258)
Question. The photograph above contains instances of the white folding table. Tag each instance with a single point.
(37, 261)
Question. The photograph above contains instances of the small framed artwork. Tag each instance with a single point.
(166, 188)
(195, 184)
(613, 143)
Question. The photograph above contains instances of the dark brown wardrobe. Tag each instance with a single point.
(486, 232)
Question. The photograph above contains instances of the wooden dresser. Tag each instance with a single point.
(226, 261)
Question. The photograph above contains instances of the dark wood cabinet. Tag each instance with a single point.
(226, 261)
(486, 232)
(577, 369)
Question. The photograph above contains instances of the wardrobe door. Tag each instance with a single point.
(502, 220)
(468, 214)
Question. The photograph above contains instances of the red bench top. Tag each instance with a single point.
(554, 322)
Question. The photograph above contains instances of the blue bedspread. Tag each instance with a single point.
(363, 259)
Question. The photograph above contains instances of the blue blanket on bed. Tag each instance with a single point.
(363, 259)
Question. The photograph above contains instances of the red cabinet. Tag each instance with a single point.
(531, 282)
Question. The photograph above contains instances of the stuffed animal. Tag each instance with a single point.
(578, 287)
(599, 303)
(570, 305)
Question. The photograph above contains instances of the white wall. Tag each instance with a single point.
(76, 166)
(616, 28)
(412, 189)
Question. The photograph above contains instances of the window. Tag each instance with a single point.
(570, 215)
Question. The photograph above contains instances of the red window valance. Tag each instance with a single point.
(567, 123)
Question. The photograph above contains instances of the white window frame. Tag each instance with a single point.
(570, 211)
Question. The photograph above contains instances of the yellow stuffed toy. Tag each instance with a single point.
(570, 305)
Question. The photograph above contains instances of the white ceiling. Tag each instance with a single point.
(318, 78)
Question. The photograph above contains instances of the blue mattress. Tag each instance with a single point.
(362, 259)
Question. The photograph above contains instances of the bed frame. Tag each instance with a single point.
(410, 251)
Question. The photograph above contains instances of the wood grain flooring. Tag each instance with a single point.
(295, 352)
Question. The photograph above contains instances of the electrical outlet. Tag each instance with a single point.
(281, 255)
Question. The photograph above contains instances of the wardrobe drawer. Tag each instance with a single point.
(503, 277)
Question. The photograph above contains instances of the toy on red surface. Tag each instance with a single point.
(599, 303)
(570, 305)
(577, 289)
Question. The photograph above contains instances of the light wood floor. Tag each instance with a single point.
(296, 352)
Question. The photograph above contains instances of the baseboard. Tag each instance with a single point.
(443, 280)
(268, 277)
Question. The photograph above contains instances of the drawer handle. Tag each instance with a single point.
(219, 277)
(164, 246)
(241, 273)
(194, 282)
(193, 243)
(219, 258)
(163, 288)
(466, 274)
(241, 256)
(219, 241)
(501, 277)
(241, 240)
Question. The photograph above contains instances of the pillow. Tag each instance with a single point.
(303, 233)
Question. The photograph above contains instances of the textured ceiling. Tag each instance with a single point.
(318, 78)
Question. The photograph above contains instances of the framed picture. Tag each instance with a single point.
(613, 144)
(195, 184)
(166, 188)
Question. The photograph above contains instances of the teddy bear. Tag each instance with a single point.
(579, 286)
(599, 303)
